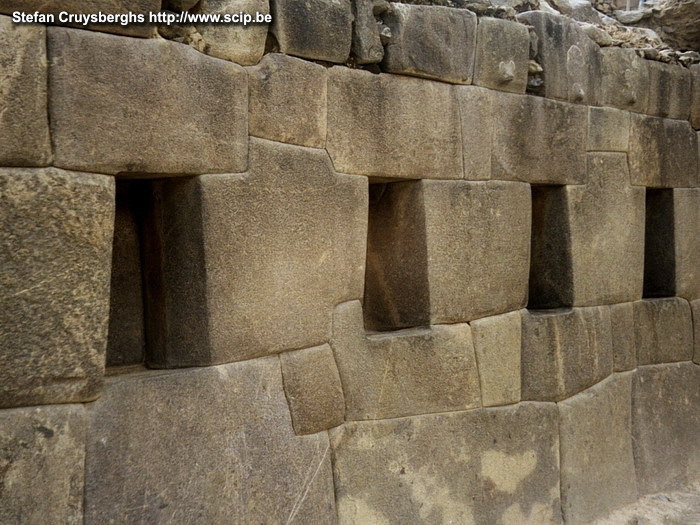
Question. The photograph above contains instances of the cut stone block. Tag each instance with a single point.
(666, 426)
(462, 467)
(43, 454)
(625, 82)
(253, 264)
(597, 464)
(497, 344)
(476, 121)
(564, 352)
(385, 126)
(367, 45)
(686, 217)
(538, 140)
(695, 309)
(24, 124)
(446, 252)
(313, 389)
(93, 77)
(288, 101)
(502, 54)
(430, 42)
(57, 242)
(608, 129)
(695, 99)
(663, 330)
(670, 90)
(219, 448)
(624, 349)
(314, 29)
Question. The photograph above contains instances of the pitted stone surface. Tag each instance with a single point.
(608, 129)
(502, 50)
(623, 343)
(670, 90)
(695, 98)
(477, 123)
(695, 309)
(625, 81)
(663, 330)
(367, 45)
(686, 216)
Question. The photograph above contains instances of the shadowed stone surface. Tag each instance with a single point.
(367, 45)
(608, 129)
(56, 230)
(476, 121)
(663, 330)
(670, 90)
(695, 308)
(623, 343)
(695, 100)
(625, 80)
(686, 216)
(212, 445)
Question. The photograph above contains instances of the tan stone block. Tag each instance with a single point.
(625, 82)
(461, 467)
(624, 349)
(564, 351)
(313, 390)
(502, 53)
(477, 123)
(288, 101)
(211, 445)
(43, 455)
(367, 45)
(695, 99)
(57, 241)
(608, 129)
(385, 126)
(104, 89)
(669, 90)
(663, 330)
(24, 124)
(686, 218)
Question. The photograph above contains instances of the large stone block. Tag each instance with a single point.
(502, 53)
(384, 126)
(686, 218)
(477, 123)
(57, 242)
(367, 45)
(212, 445)
(623, 344)
(105, 89)
(538, 140)
(564, 352)
(669, 90)
(625, 80)
(695, 99)
(663, 330)
(288, 101)
(597, 464)
(315, 29)
(24, 124)
(446, 252)
(608, 129)
(666, 426)
(253, 264)
(463, 467)
(431, 42)
(41, 466)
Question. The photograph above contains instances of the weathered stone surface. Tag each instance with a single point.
(464, 467)
(686, 217)
(24, 125)
(313, 389)
(92, 79)
(623, 345)
(695, 310)
(666, 425)
(431, 42)
(564, 351)
(385, 126)
(237, 458)
(367, 45)
(446, 252)
(669, 90)
(497, 344)
(288, 101)
(57, 241)
(477, 123)
(180, 5)
(253, 264)
(502, 53)
(315, 29)
(695, 100)
(608, 129)
(571, 61)
(597, 465)
(663, 330)
(41, 466)
(625, 80)
(538, 140)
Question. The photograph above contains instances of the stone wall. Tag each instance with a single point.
(313, 274)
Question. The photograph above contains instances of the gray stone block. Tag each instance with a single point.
(695, 310)
(663, 330)
(695, 98)
(211, 445)
(686, 218)
(477, 123)
(502, 54)
(608, 129)
(367, 45)
(625, 82)
(624, 349)
(57, 241)
(670, 90)
(92, 130)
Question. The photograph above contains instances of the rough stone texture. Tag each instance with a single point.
(666, 425)
(446, 252)
(695, 101)
(431, 42)
(497, 344)
(623, 345)
(695, 309)
(313, 389)
(686, 217)
(57, 242)
(237, 458)
(625, 80)
(92, 79)
(24, 125)
(564, 351)
(42, 451)
(571, 61)
(669, 90)
(476, 121)
(314, 29)
(597, 465)
(538, 140)
(608, 129)
(248, 265)
(663, 330)
(288, 101)
(502, 52)
(463, 467)
(385, 126)
(367, 45)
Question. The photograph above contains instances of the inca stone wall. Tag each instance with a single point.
(438, 269)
